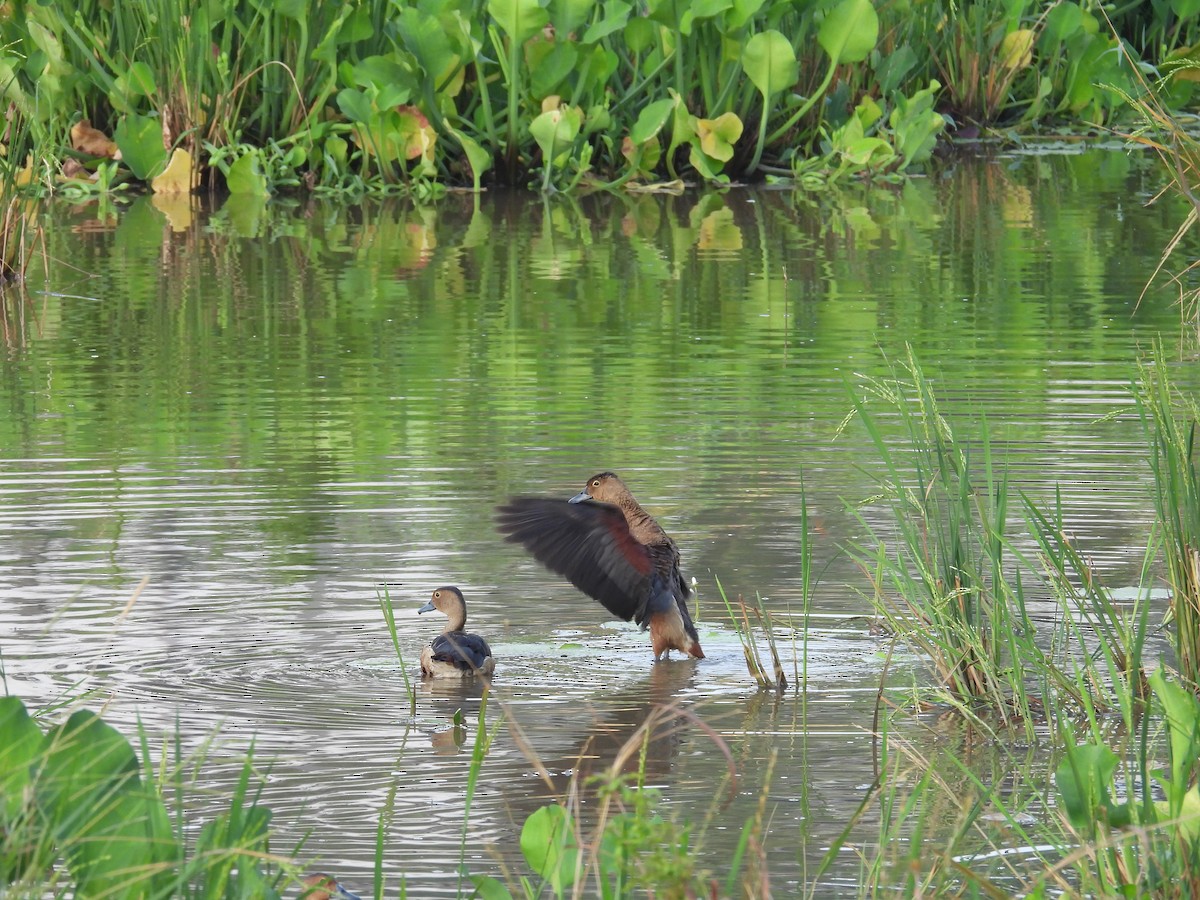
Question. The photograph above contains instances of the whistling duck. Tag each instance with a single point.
(613, 550)
(454, 653)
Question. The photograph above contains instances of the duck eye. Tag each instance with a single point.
(596, 483)
(436, 594)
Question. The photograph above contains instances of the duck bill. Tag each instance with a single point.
(428, 607)
(580, 497)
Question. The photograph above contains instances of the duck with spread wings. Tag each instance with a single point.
(610, 548)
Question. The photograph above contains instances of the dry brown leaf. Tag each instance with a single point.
(92, 141)
(179, 177)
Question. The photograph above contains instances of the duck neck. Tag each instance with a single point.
(456, 619)
(641, 523)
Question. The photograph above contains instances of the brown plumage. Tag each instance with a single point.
(454, 653)
(610, 548)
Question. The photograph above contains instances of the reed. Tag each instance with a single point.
(740, 614)
(1169, 422)
(944, 587)
(389, 617)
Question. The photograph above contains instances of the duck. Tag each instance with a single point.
(609, 547)
(454, 653)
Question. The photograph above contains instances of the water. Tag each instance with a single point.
(251, 418)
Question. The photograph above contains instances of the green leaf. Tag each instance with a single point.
(551, 66)
(20, 747)
(893, 68)
(555, 131)
(616, 14)
(427, 40)
(489, 888)
(568, 15)
(850, 31)
(380, 72)
(548, 845)
(140, 140)
(1082, 781)
(245, 176)
(770, 62)
(519, 19)
(354, 105)
(1183, 721)
(113, 830)
(650, 120)
(707, 9)
(477, 158)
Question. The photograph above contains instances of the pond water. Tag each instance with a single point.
(253, 417)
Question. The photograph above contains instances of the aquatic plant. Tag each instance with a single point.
(79, 811)
(943, 587)
(389, 617)
(1169, 422)
(384, 97)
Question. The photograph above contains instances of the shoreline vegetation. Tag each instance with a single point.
(1096, 793)
(379, 97)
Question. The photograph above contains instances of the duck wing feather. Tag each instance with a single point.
(588, 543)
(461, 649)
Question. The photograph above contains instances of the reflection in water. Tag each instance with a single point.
(269, 410)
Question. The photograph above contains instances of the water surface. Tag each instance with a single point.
(266, 411)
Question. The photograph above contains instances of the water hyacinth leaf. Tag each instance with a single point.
(1016, 50)
(640, 34)
(137, 82)
(427, 40)
(1083, 780)
(549, 66)
(1182, 712)
(717, 136)
(489, 888)
(108, 825)
(651, 119)
(355, 105)
(708, 9)
(20, 748)
(741, 12)
(849, 31)
(477, 158)
(616, 14)
(892, 68)
(1185, 9)
(567, 16)
(672, 13)
(245, 176)
(519, 19)
(140, 141)
(770, 62)
(547, 843)
(352, 24)
(381, 72)
(555, 130)
(417, 136)
(179, 177)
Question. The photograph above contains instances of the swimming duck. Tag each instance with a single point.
(454, 653)
(613, 550)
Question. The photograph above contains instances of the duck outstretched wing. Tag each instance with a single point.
(589, 544)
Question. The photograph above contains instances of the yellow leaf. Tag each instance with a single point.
(717, 136)
(179, 177)
(1016, 50)
(551, 102)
